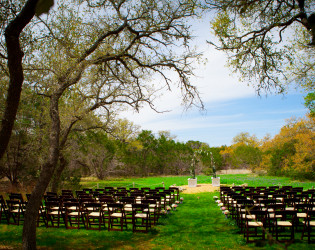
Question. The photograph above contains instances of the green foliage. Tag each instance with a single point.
(279, 155)
(291, 152)
(243, 153)
(310, 103)
(98, 152)
(269, 43)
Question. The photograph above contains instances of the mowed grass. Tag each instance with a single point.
(196, 224)
(229, 179)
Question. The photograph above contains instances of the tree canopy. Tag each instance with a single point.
(269, 43)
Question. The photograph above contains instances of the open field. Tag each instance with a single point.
(228, 179)
(196, 224)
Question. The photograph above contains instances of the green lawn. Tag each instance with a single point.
(197, 224)
(237, 179)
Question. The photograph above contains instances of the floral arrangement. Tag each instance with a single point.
(174, 206)
(215, 198)
(163, 211)
(226, 213)
(218, 201)
(177, 202)
(223, 208)
(168, 208)
(181, 198)
(220, 204)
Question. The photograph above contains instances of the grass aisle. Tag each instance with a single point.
(198, 223)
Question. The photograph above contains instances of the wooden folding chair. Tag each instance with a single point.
(53, 212)
(241, 207)
(3, 209)
(94, 215)
(153, 210)
(116, 217)
(309, 225)
(284, 225)
(73, 215)
(140, 218)
(301, 213)
(244, 215)
(255, 225)
(128, 201)
(176, 192)
(16, 196)
(16, 210)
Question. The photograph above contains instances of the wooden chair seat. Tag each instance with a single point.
(144, 215)
(249, 216)
(255, 224)
(284, 223)
(118, 215)
(301, 215)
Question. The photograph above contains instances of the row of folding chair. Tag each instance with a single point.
(12, 210)
(116, 215)
(273, 214)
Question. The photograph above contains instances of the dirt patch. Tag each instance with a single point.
(199, 189)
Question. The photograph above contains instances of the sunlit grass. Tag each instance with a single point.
(229, 179)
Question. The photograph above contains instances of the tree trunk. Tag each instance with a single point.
(57, 176)
(29, 228)
(15, 55)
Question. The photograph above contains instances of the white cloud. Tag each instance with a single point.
(214, 83)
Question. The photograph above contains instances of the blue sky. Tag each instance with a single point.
(255, 115)
(231, 106)
(223, 120)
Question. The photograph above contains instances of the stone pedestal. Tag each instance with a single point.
(192, 182)
(215, 181)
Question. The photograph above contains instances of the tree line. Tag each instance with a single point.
(290, 153)
(121, 148)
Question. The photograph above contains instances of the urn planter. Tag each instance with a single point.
(215, 181)
(192, 182)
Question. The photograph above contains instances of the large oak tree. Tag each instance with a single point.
(106, 53)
